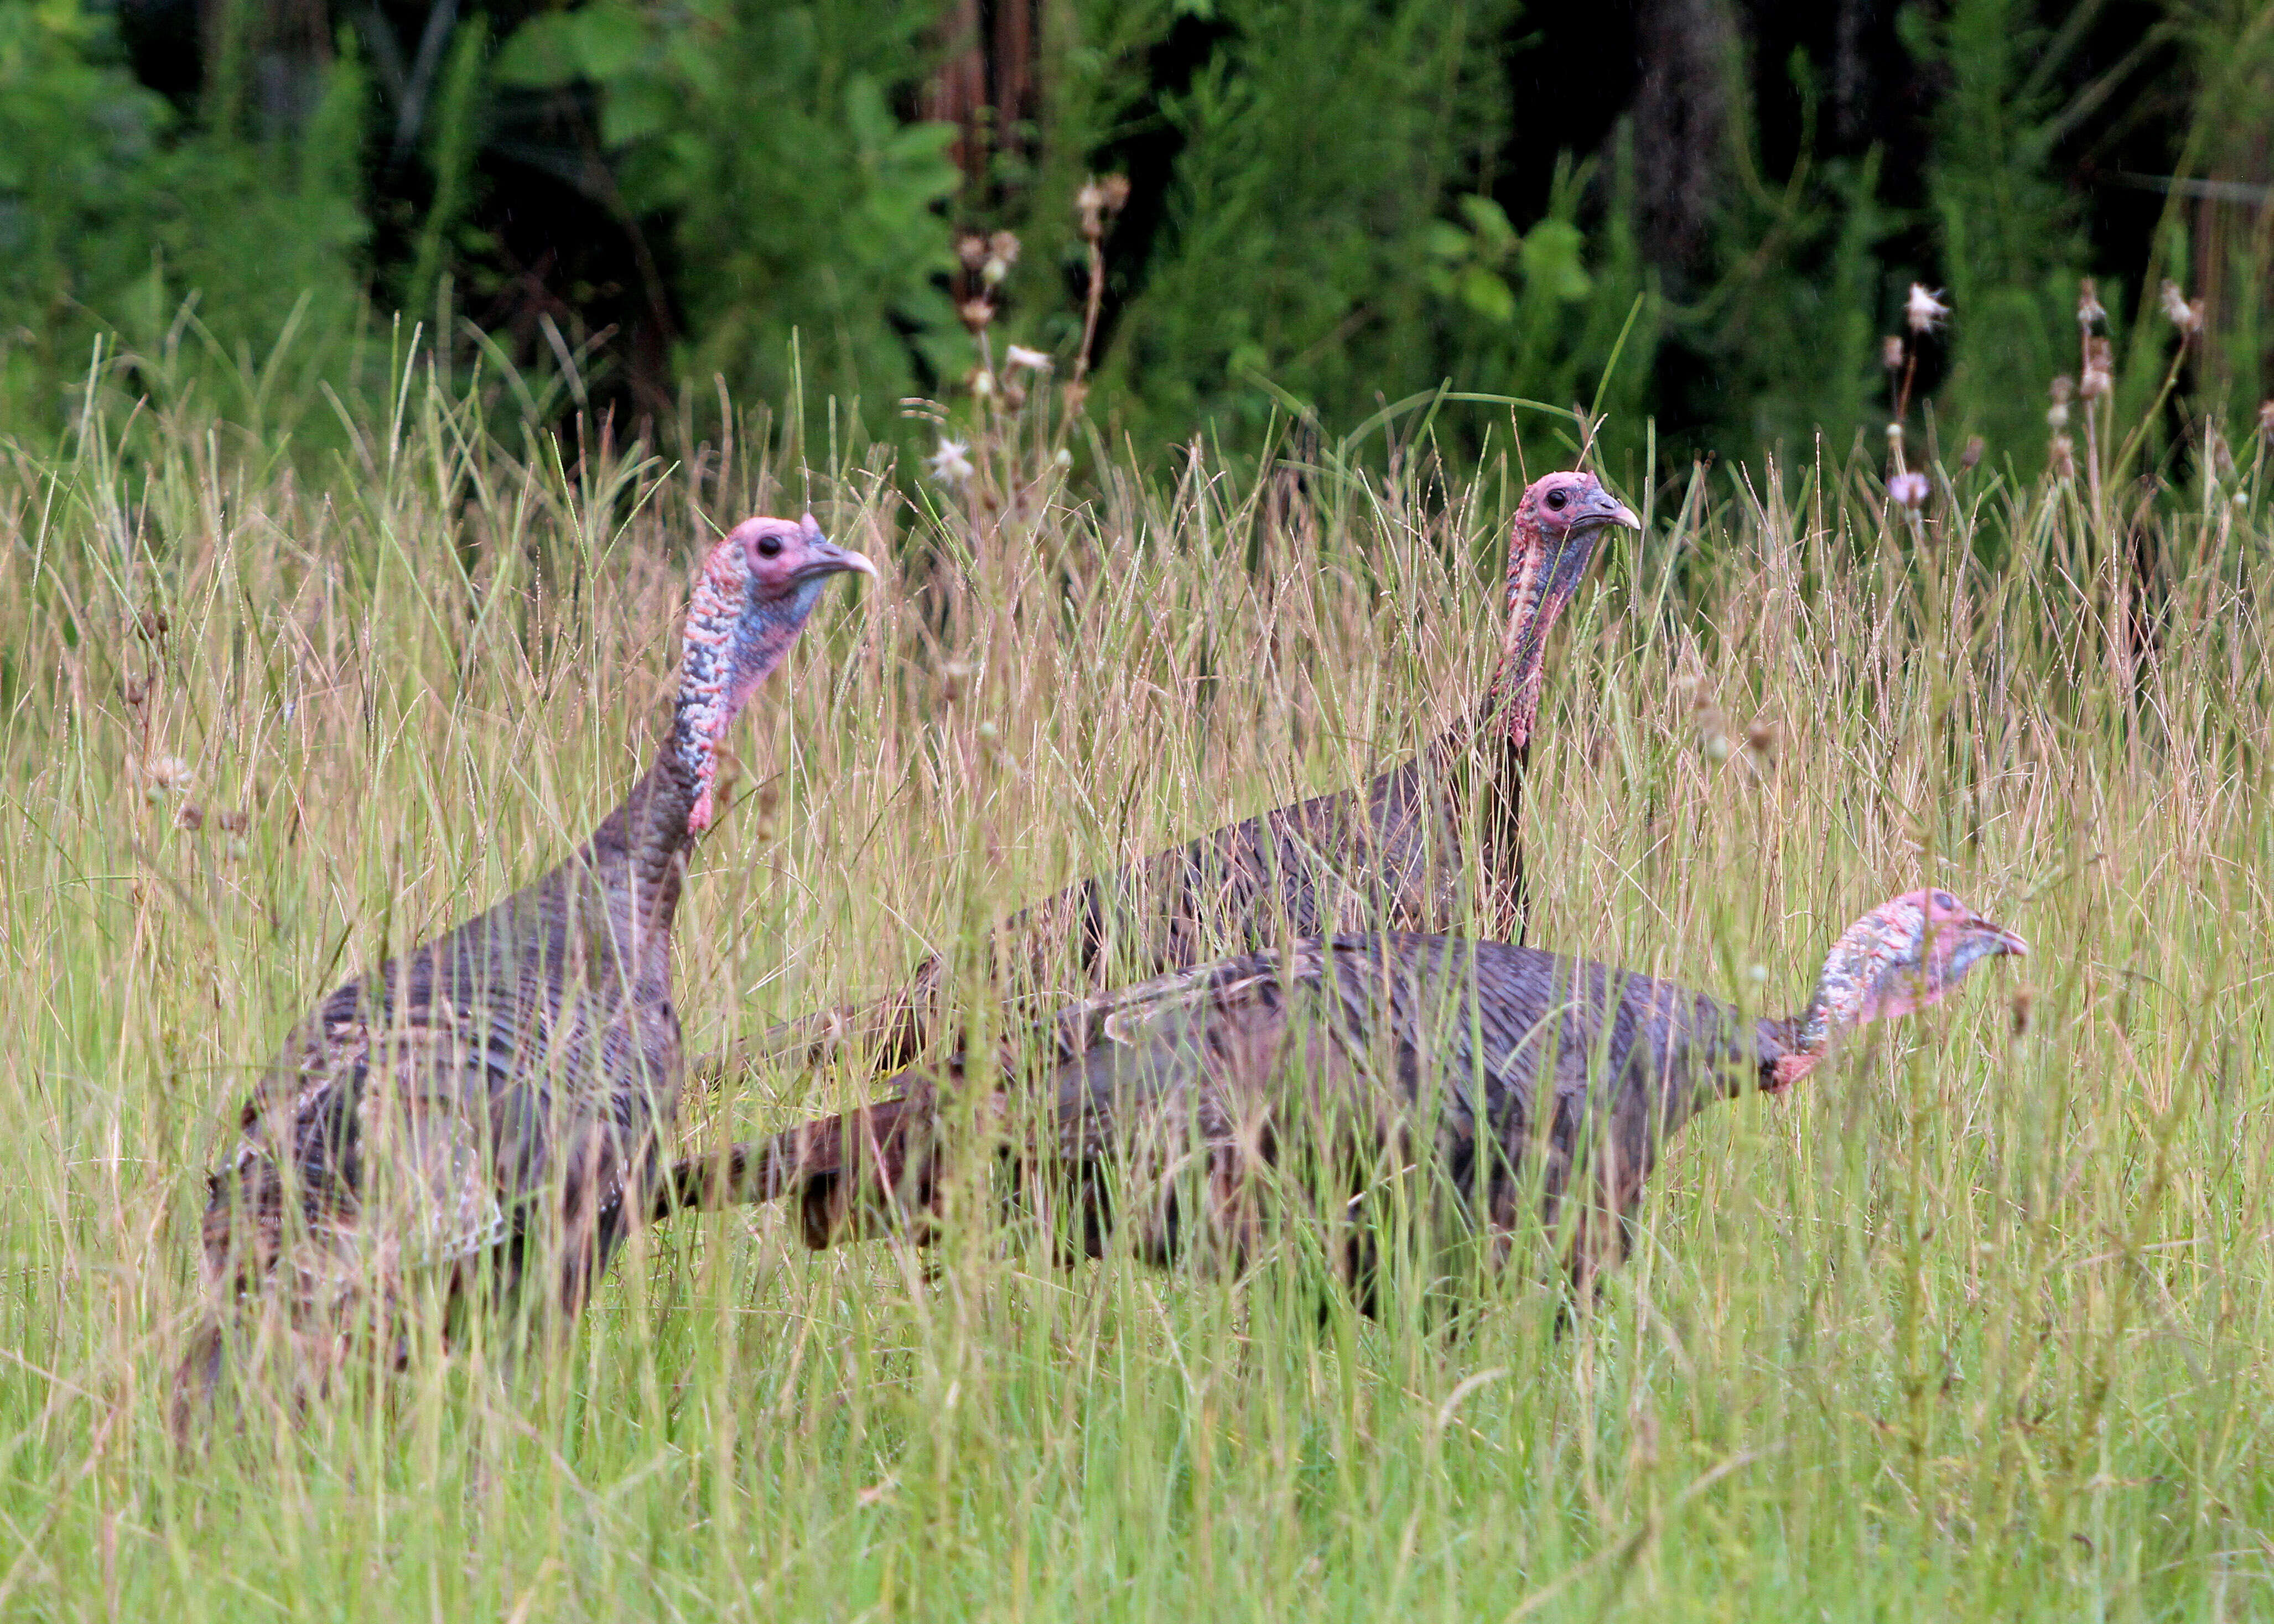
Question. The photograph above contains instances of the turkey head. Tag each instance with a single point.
(1909, 953)
(757, 587)
(1551, 542)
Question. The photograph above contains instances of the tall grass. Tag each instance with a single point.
(1978, 1325)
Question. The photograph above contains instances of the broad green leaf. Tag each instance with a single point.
(539, 54)
(598, 43)
(1489, 222)
(1488, 295)
(1552, 264)
(1446, 240)
(610, 40)
(639, 107)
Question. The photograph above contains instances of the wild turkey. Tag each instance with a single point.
(1386, 856)
(1203, 1111)
(473, 1113)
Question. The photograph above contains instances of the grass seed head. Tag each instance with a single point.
(2179, 311)
(1002, 254)
(1924, 312)
(169, 774)
(1098, 201)
(950, 463)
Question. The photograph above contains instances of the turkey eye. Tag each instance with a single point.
(1943, 899)
(769, 546)
(1555, 499)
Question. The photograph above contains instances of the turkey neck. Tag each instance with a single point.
(1496, 737)
(1487, 760)
(639, 851)
(1542, 576)
(645, 841)
(730, 649)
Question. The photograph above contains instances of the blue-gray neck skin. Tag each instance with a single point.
(732, 646)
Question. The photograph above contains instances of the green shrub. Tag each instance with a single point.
(78, 140)
(801, 204)
(1323, 143)
(220, 262)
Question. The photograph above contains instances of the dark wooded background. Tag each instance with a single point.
(1341, 200)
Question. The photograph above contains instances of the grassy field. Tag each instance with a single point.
(1978, 1325)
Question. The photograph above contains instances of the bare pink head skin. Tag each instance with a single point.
(1909, 952)
(750, 602)
(1551, 540)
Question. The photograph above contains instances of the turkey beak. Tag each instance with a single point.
(1604, 508)
(1977, 939)
(1596, 510)
(1987, 938)
(826, 558)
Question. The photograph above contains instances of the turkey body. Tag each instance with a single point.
(1392, 854)
(1197, 1115)
(422, 1115)
(479, 1116)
